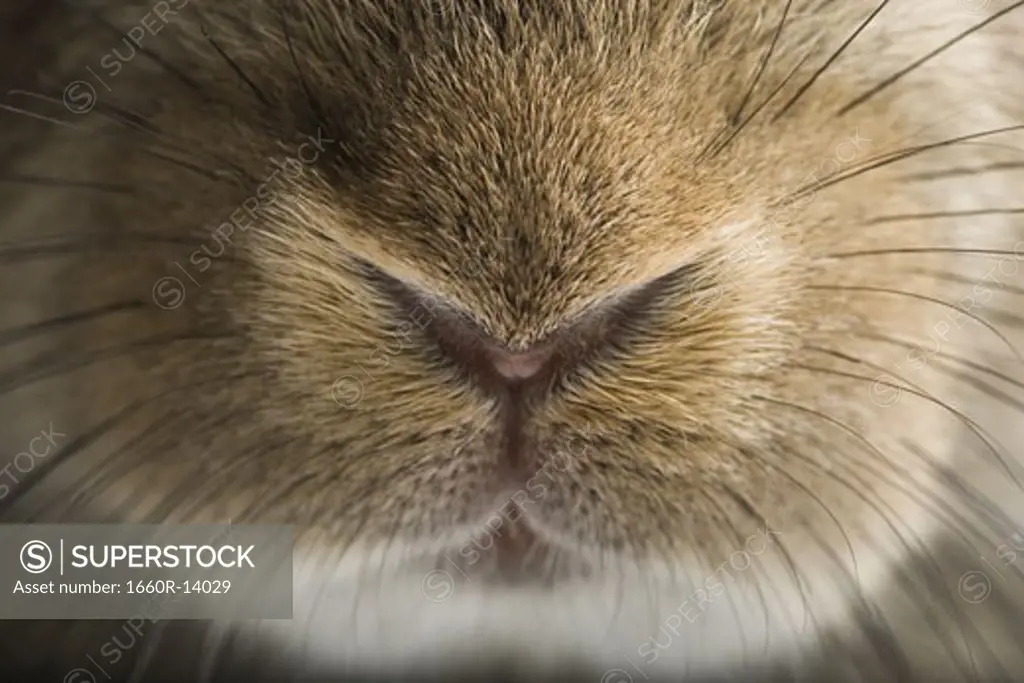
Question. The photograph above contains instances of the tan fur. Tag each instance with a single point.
(527, 164)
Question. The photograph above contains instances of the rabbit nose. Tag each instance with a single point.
(518, 366)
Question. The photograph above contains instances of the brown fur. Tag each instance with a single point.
(525, 164)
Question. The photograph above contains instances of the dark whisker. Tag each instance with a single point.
(232, 63)
(77, 445)
(992, 516)
(101, 242)
(968, 422)
(946, 355)
(214, 481)
(937, 51)
(935, 504)
(751, 510)
(817, 499)
(953, 277)
(15, 334)
(55, 364)
(850, 431)
(764, 103)
(40, 117)
(735, 117)
(824, 67)
(924, 250)
(896, 218)
(313, 103)
(67, 183)
(922, 297)
(957, 172)
(111, 112)
(198, 170)
(925, 502)
(764, 63)
(129, 119)
(982, 386)
(1006, 318)
(96, 483)
(732, 530)
(82, 442)
(102, 22)
(893, 157)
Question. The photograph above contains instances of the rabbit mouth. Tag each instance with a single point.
(511, 550)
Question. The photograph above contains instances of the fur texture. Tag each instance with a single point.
(781, 271)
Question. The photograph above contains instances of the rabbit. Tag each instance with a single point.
(577, 340)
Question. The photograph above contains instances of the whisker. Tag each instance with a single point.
(764, 103)
(67, 183)
(817, 499)
(764, 62)
(930, 502)
(1006, 317)
(957, 172)
(734, 118)
(924, 250)
(55, 364)
(937, 51)
(896, 218)
(970, 282)
(80, 443)
(213, 482)
(198, 170)
(791, 567)
(921, 297)
(835, 55)
(141, 664)
(927, 503)
(981, 385)
(179, 75)
(98, 480)
(109, 111)
(739, 539)
(994, 518)
(945, 355)
(11, 335)
(40, 117)
(131, 120)
(893, 157)
(102, 242)
(232, 63)
(314, 104)
(971, 424)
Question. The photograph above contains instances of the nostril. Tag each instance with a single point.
(518, 366)
(463, 342)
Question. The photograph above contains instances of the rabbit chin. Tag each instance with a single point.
(374, 611)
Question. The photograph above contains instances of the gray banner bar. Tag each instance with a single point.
(113, 571)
